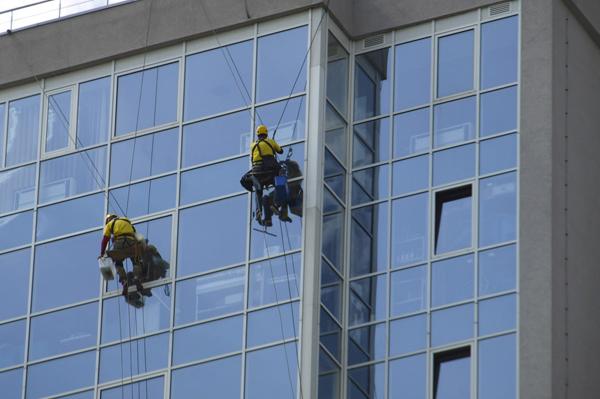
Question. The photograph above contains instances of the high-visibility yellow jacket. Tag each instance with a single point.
(264, 147)
(118, 227)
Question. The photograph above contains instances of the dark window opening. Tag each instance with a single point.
(453, 219)
(452, 374)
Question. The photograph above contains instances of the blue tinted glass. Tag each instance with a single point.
(23, 130)
(212, 181)
(452, 280)
(411, 132)
(370, 380)
(331, 290)
(2, 119)
(499, 52)
(455, 63)
(409, 291)
(15, 230)
(411, 175)
(452, 325)
(407, 377)
(453, 378)
(14, 268)
(18, 188)
(264, 245)
(218, 80)
(152, 154)
(73, 174)
(367, 343)
(335, 134)
(408, 335)
(453, 224)
(12, 347)
(147, 98)
(216, 379)
(330, 334)
(454, 122)
(266, 325)
(134, 357)
(409, 229)
(274, 280)
(70, 216)
(267, 374)
(332, 239)
(84, 395)
(234, 135)
(210, 296)
(497, 314)
(92, 112)
(64, 331)
(368, 298)
(370, 184)
(280, 58)
(326, 363)
(144, 198)
(61, 375)
(291, 119)
(337, 74)
(498, 111)
(497, 368)
(11, 383)
(154, 316)
(329, 385)
(335, 175)
(148, 389)
(57, 121)
(201, 232)
(330, 203)
(497, 209)
(498, 154)
(497, 270)
(413, 74)
(372, 81)
(369, 240)
(371, 142)
(455, 164)
(208, 340)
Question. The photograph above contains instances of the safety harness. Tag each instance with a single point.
(257, 146)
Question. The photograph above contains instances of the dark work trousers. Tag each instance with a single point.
(261, 175)
(126, 247)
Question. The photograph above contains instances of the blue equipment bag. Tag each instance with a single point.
(281, 193)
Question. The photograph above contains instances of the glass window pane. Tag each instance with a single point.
(368, 299)
(411, 132)
(368, 380)
(413, 74)
(11, 383)
(455, 164)
(497, 209)
(212, 181)
(134, 357)
(201, 231)
(267, 375)
(291, 119)
(333, 239)
(49, 378)
(335, 133)
(372, 83)
(499, 52)
(147, 389)
(453, 217)
(93, 111)
(58, 121)
(497, 314)
(73, 174)
(410, 235)
(370, 184)
(70, 216)
(14, 268)
(409, 291)
(23, 130)
(452, 280)
(265, 245)
(147, 98)
(497, 368)
(330, 334)
(12, 344)
(337, 74)
(144, 198)
(498, 154)
(367, 343)
(218, 80)
(64, 331)
(331, 290)
(411, 175)
(216, 379)
(2, 119)
(369, 240)
(407, 377)
(152, 154)
(408, 335)
(18, 188)
(335, 175)
(452, 325)
(15, 230)
(84, 395)
(274, 280)
(498, 111)
(454, 122)
(452, 374)
(497, 270)
(371, 142)
(266, 325)
(455, 63)
(280, 58)
(210, 296)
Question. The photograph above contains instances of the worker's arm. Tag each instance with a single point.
(276, 147)
(105, 239)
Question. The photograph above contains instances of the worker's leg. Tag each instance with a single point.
(267, 212)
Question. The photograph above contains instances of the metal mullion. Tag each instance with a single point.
(495, 88)
(500, 134)
(13, 367)
(369, 119)
(413, 108)
(280, 99)
(12, 213)
(331, 356)
(499, 172)
(61, 356)
(497, 294)
(370, 166)
(69, 235)
(496, 335)
(330, 103)
(4, 136)
(73, 197)
(62, 307)
(518, 208)
(134, 379)
(221, 114)
(133, 338)
(337, 272)
(369, 275)
(145, 132)
(70, 150)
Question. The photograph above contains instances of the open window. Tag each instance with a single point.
(452, 374)
(453, 219)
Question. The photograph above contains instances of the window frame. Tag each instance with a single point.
(435, 223)
(453, 353)
(475, 27)
(73, 90)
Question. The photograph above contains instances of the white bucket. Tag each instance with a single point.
(107, 268)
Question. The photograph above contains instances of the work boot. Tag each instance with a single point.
(125, 289)
(283, 215)
(258, 217)
(268, 222)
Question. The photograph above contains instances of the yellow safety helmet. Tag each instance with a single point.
(261, 130)
(109, 217)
